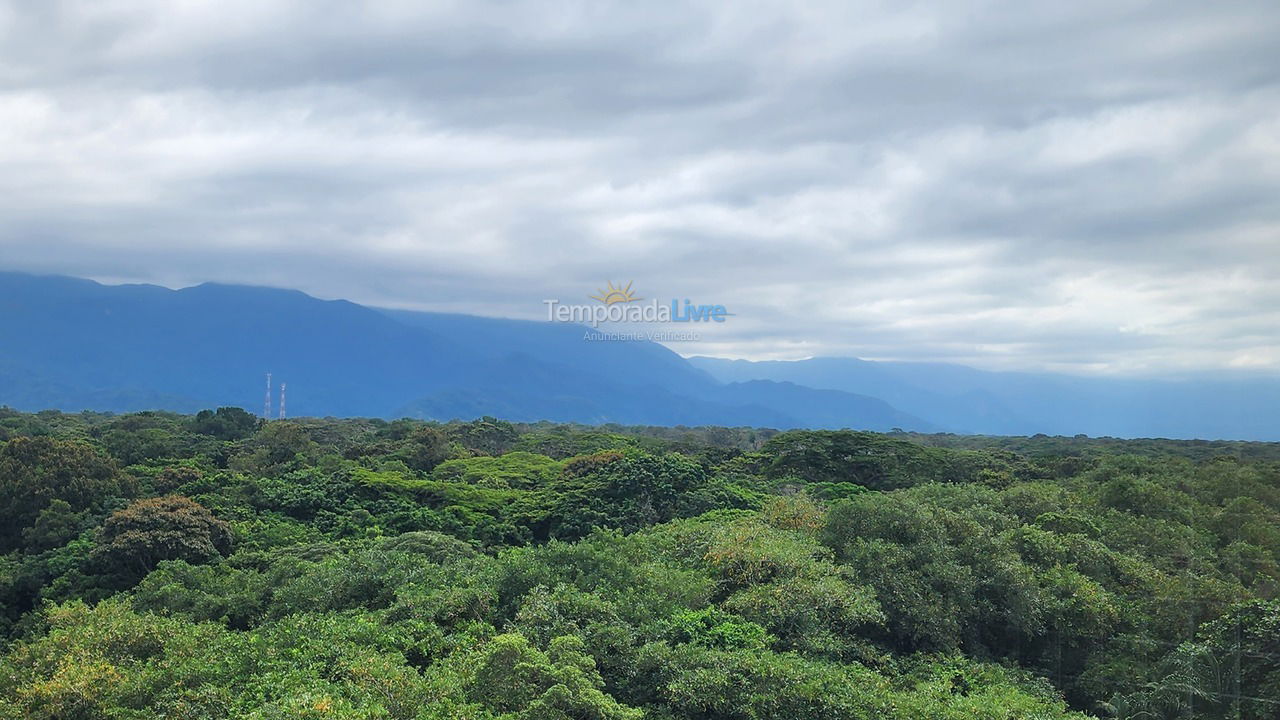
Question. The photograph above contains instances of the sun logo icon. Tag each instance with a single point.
(615, 295)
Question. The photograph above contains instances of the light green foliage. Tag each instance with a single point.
(107, 662)
(714, 628)
(524, 683)
(518, 469)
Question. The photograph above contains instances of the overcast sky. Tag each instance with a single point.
(1080, 186)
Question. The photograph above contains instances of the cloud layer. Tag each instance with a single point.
(1089, 186)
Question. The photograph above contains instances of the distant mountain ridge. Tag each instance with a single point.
(966, 400)
(75, 344)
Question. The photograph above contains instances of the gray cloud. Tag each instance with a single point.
(1082, 186)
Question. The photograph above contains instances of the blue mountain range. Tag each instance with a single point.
(73, 344)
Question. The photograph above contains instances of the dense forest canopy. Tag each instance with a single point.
(156, 565)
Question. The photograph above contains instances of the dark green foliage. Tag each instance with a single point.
(431, 546)
(487, 436)
(227, 423)
(278, 447)
(879, 462)
(36, 471)
(426, 448)
(614, 490)
(1231, 669)
(562, 443)
(56, 525)
(371, 569)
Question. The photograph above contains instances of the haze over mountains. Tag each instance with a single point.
(74, 344)
(962, 399)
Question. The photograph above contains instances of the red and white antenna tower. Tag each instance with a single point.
(266, 404)
(282, 387)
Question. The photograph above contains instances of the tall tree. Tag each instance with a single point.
(36, 471)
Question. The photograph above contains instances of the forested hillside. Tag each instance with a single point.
(156, 565)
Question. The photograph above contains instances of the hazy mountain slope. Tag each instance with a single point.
(211, 344)
(641, 375)
(823, 408)
(963, 399)
(74, 344)
(955, 407)
(626, 363)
